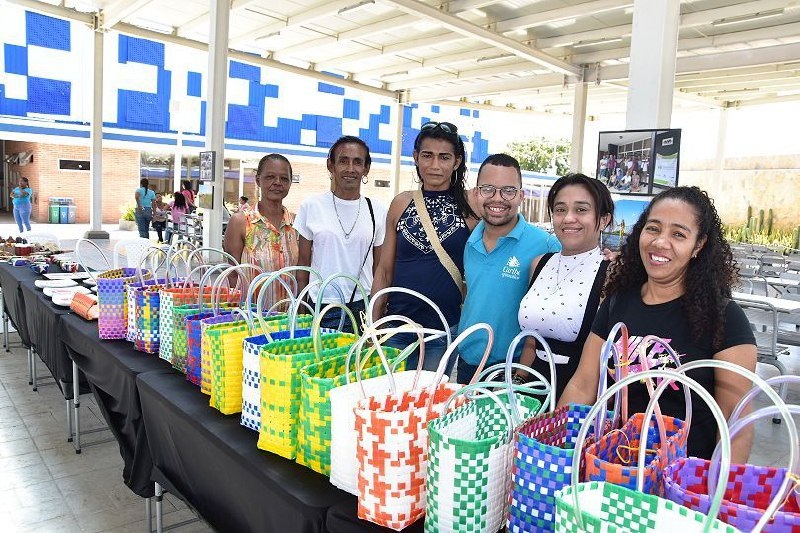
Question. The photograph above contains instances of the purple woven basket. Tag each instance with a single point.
(112, 321)
(193, 339)
(749, 491)
(147, 336)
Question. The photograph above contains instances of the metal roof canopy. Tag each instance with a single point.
(523, 54)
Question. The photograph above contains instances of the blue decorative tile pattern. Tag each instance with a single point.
(151, 81)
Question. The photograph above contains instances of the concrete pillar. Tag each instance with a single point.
(397, 147)
(215, 118)
(654, 44)
(96, 135)
(578, 126)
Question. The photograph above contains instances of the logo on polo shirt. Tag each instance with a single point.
(511, 270)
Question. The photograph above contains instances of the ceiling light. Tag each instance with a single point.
(761, 15)
(583, 44)
(493, 58)
(350, 9)
(562, 23)
(480, 12)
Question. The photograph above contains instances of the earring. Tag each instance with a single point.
(365, 180)
(417, 179)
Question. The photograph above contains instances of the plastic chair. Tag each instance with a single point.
(128, 252)
(42, 238)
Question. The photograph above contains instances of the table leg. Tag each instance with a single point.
(159, 509)
(5, 328)
(76, 402)
(30, 366)
(32, 355)
(69, 420)
(148, 511)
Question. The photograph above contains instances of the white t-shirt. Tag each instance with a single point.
(332, 252)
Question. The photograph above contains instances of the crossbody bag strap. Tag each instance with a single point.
(433, 237)
(369, 250)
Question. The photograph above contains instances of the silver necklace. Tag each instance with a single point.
(336, 210)
(555, 288)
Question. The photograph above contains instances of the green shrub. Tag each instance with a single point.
(129, 214)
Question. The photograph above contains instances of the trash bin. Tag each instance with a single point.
(64, 210)
(55, 210)
(73, 209)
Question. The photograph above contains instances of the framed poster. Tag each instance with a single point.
(205, 196)
(207, 160)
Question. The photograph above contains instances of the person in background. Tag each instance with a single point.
(21, 198)
(243, 203)
(497, 262)
(565, 287)
(188, 194)
(673, 279)
(144, 210)
(408, 258)
(160, 209)
(178, 210)
(265, 235)
(342, 231)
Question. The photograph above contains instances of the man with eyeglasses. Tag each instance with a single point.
(497, 263)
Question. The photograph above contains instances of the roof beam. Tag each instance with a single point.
(519, 66)
(323, 10)
(401, 47)
(56, 11)
(457, 6)
(731, 79)
(361, 32)
(253, 59)
(555, 15)
(119, 11)
(461, 26)
(764, 100)
(424, 64)
(743, 86)
(477, 89)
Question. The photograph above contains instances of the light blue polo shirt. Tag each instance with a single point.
(496, 283)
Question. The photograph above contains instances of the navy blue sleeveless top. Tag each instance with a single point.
(417, 267)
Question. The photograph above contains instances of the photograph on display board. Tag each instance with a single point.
(639, 161)
(627, 210)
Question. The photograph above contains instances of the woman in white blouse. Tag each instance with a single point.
(565, 287)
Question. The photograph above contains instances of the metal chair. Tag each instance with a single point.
(42, 237)
(128, 252)
(763, 318)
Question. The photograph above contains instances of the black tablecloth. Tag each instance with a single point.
(213, 462)
(42, 319)
(10, 279)
(111, 367)
(343, 518)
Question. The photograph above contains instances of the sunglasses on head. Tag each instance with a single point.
(444, 126)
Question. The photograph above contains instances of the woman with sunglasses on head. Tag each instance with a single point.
(410, 258)
(564, 290)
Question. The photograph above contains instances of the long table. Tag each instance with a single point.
(213, 463)
(111, 367)
(10, 279)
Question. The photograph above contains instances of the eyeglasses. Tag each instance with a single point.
(444, 126)
(506, 193)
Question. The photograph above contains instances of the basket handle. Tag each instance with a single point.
(537, 386)
(265, 280)
(216, 288)
(151, 253)
(621, 361)
(327, 281)
(316, 327)
(437, 380)
(83, 263)
(512, 348)
(179, 250)
(204, 279)
(483, 387)
(668, 376)
(771, 394)
(409, 326)
(187, 283)
(388, 290)
(753, 392)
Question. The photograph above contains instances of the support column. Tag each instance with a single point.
(654, 45)
(96, 135)
(722, 137)
(578, 126)
(215, 122)
(397, 147)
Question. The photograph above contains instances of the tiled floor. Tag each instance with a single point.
(44, 485)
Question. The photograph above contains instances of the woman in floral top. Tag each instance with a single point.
(264, 235)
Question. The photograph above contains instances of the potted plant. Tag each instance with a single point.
(127, 222)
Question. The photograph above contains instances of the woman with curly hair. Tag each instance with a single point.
(673, 279)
